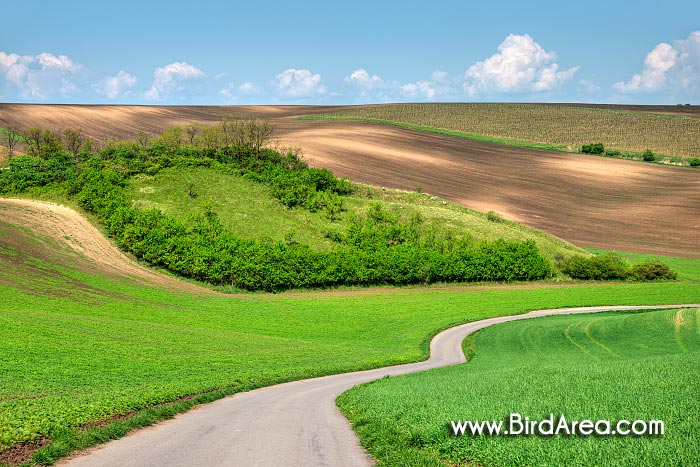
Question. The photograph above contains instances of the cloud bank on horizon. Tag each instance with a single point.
(520, 70)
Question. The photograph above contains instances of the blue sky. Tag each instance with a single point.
(320, 52)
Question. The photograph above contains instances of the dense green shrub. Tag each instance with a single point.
(26, 172)
(652, 270)
(595, 148)
(694, 162)
(605, 267)
(648, 156)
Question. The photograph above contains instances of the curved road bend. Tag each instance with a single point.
(288, 425)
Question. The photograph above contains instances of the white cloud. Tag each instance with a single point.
(173, 79)
(299, 83)
(113, 86)
(363, 80)
(228, 91)
(373, 87)
(521, 65)
(419, 88)
(249, 88)
(587, 87)
(42, 75)
(668, 67)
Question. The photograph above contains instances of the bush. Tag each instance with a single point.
(493, 216)
(648, 156)
(652, 270)
(596, 148)
(613, 152)
(606, 267)
(695, 162)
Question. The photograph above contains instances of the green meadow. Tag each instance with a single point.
(611, 366)
(83, 348)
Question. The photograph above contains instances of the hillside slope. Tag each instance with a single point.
(589, 201)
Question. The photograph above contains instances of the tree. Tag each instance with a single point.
(73, 140)
(33, 138)
(42, 143)
(171, 138)
(191, 131)
(141, 139)
(209, 137)
(12, 137)
(259, 133)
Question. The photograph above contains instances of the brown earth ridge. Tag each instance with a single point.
(586, 200)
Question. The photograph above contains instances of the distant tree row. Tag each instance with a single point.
(230, 132)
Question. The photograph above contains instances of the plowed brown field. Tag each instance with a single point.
(589, 201)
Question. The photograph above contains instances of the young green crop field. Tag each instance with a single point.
(612, 366)
(241, 203)
(82, 348)
(544, 126)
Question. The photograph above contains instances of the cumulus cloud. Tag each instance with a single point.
(363, 80)
(667, 67)
(299, 84)
(373, 87)
(521, 65)
(42, 75)
(175, 78)
(113, 86)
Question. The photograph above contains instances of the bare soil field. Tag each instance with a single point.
(588, 201)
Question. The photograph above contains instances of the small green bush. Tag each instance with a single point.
(652, 270)
(695, 162)
(494, 217)
(595, 148)
(613, 152)
(648, 156)
(606, 267)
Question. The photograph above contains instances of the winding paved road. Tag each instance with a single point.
(289, 425)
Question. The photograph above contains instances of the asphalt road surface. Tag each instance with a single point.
(289, 425)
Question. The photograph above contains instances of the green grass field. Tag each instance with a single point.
(543, 126)
(613, 366)
(83, 348)
(241, 203)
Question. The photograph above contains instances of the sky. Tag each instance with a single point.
(212, 52)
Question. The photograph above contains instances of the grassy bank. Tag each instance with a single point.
(611, 366)
(240, 204)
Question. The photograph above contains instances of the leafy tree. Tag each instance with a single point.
(192, 130)
(171, 139)
(73, 140)
(12, 137)
(258, 133)
(209, 137)
(142, 139)
(42, 143)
